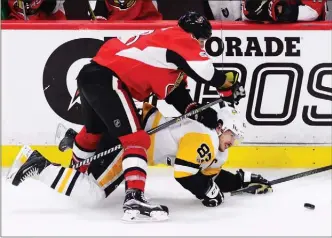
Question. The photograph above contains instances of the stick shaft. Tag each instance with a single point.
(300, 175)
(92, 14)
(21, 2)
(183, 117)
(288, 178)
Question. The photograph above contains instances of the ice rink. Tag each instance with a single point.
(35, 210)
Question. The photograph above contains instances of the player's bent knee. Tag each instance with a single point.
(140, 138)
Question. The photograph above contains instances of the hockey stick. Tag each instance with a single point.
(152, 131)
(92, 14)
(22, 4)
(285, 179)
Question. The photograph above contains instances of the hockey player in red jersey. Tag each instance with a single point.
(285, 10)
(36, 10)
(145, 64)
(148, 63)
(126, 10)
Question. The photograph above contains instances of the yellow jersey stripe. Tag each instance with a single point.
(112, 173)
(211, 171)
(65, 180)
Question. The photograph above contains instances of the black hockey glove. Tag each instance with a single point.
(289, 10)
(257, 184)
(208, 117)
(213, 196)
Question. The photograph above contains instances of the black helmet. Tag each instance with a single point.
(196, 24)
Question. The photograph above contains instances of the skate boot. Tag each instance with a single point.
(31, 168)
(137, 208)
(65, 138)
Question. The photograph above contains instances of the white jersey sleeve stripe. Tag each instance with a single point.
(181, 168)
(204, 69)
(153, 56)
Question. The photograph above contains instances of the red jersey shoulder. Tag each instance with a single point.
(187, 46)
(175, 39)
(108, 50)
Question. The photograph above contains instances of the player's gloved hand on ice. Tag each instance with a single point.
(208, 117)
(213, 197)
(232, 91)
(257, 184)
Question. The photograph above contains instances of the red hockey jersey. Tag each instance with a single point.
(34, 10)
(143, 62)
(313, 10)
(132, 10)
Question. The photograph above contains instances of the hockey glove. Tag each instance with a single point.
(213, 197)
(232, 90)
(284, 10)
(257, 184)
(208, 117)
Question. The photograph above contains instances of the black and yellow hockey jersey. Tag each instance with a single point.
(188, 146)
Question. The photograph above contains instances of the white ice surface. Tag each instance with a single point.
(36, 210)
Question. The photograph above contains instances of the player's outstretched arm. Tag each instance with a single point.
(186, 51)
(201, 69)
(228, 182)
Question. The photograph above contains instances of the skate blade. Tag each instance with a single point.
(59, 135)
(132, 216)
(20, 159)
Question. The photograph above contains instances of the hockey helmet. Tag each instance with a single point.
(196, 24)
(230, 119)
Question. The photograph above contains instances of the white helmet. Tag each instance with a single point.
(231, 120)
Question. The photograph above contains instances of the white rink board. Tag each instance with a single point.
(27, 117)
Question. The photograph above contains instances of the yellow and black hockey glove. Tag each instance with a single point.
(232, 91)
(256, 183)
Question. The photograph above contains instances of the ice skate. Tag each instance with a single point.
(31, 168)
(65, 138)
(137, 208)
